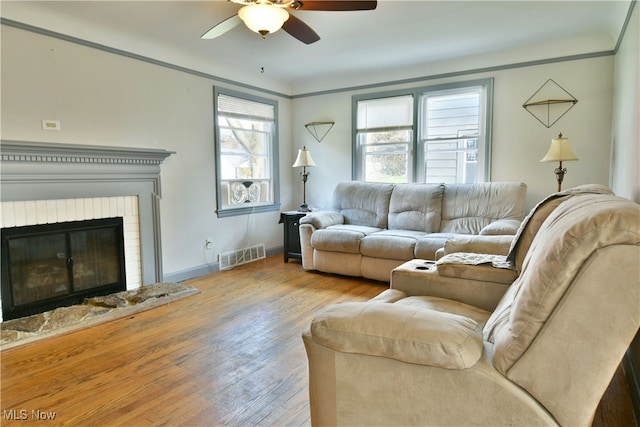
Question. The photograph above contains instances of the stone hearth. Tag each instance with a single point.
(91, 312)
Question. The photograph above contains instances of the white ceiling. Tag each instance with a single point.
(399, 38)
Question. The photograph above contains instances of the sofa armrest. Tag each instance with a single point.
(481, 267)
(498, 245)
(501, 226)
(401, 332)
(322, 219)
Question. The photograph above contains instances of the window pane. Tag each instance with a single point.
(390, 168)
(387, 163)
(448, 115)
(450, 136)
(386, 137)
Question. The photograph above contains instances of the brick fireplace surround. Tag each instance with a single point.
(43, 183)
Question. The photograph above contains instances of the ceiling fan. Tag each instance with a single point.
(268, 16)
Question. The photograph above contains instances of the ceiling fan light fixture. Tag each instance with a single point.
(263, 17)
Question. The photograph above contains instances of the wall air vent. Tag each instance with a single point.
(231, 259)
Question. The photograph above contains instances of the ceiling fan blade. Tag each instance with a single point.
(300, 30)
(334, 5)
(222, 27)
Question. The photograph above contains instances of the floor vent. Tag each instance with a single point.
(241, 256)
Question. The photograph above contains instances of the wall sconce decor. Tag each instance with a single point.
(319, 129)
(559, 151)
(304, 161)
(549, 103)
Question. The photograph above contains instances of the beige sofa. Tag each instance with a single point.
(373, 228)
(544, 356)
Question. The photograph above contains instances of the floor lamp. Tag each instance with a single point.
(559, 151)
(304, 161)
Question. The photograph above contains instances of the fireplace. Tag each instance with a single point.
(53, 265)
(47, 183)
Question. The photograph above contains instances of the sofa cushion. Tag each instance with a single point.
(467, 209)
(363, 203)
(416, 207)
(408, 333)
(340, 238)
(442, 304)
(427, 246)
(501, 227)
(390, 244)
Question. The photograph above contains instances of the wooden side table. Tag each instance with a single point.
(291, 220)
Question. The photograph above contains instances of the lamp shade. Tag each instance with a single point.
(263, 17)
(303, 159)
(560, 150)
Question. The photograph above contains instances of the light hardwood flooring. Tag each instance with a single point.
(231, 355)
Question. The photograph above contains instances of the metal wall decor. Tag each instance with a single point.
(319, 129)
(549, 103)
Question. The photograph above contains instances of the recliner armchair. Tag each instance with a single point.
(544, 356)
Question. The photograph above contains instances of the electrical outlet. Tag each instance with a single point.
(208, 244)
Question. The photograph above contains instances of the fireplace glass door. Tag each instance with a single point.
(53, 265)
(38, 268)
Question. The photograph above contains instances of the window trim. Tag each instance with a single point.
(416, 156)
(274, 157)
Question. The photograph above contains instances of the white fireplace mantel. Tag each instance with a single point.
(53, 171)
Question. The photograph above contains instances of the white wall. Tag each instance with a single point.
(625, 154)
(105, 99)
(519, 140)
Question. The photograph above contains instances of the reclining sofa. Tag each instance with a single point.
(373, 228)
(543, 355)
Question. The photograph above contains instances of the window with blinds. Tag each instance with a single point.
(435, 134)
(245, 152)
(384, 138)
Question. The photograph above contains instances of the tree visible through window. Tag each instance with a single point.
(245, 153)
(435, 134)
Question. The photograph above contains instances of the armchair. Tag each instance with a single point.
(543, 356)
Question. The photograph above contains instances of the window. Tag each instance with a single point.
(434, 134)
(246, 153)
(385, 136)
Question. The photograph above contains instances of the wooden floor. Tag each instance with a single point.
(231, 355)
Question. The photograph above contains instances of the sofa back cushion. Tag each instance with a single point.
(416, 207)
(363, 203)
(534, 220)
(468, 208)
(572, 234)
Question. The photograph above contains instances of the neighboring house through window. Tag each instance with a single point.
(431, 134)
(246, 153)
